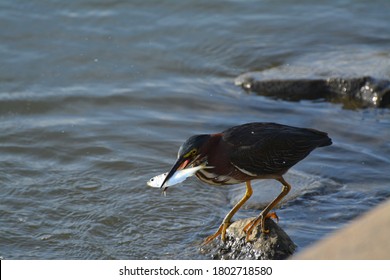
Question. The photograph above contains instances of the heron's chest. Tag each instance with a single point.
(223, 172)
(209, 177)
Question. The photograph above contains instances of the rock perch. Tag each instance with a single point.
(276, 245)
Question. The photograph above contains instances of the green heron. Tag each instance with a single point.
(244, 153)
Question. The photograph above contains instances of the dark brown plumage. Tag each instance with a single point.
(247, 152)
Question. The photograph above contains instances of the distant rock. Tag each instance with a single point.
(352, 92)
(356, 80)
(275, 245)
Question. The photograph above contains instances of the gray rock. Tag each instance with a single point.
(354, 78)
(274, 245)
(357, 92)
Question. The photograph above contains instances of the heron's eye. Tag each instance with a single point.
(193, 152)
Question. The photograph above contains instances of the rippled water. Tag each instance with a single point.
(96, 98)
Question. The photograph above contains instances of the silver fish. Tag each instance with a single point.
(177, 178)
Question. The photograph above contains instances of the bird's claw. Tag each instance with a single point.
(272, 215)
(221, 231)
(248, 229)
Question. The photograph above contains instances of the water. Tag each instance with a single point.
(96, 98)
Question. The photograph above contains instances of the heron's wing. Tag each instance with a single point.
(260, 149)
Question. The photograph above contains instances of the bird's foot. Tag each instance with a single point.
(272, 215)
(221, 231)
(248, 229)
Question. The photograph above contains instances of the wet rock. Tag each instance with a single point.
(354, 78)
(275, 245)
(352, 92)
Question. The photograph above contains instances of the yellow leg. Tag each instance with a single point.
(226, 221)
(265, 213)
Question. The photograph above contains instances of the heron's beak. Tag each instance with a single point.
(180, 164)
